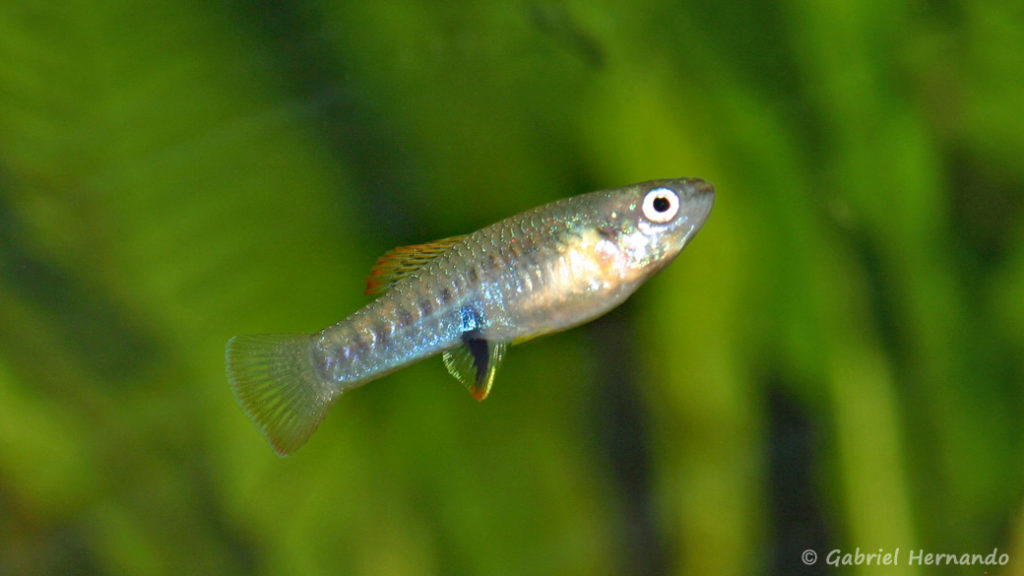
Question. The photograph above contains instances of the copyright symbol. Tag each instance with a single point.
(809, 557)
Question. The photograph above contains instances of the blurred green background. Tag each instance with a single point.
(835, 362)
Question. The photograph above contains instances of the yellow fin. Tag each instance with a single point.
(398, 263)
(276, 381)
(474, 364)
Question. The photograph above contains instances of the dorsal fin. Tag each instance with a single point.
(398, 263)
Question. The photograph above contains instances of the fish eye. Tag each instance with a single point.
(661, 205)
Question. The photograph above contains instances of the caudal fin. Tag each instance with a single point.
(278, 385)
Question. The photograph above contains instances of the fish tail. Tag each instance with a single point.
(275, 379)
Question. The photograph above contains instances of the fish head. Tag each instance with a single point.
(648, 224)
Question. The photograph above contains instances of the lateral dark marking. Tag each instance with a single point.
(381, 333)
(362, 347)
(426, 307)
(404, 317)
(608, 233)
(446, 295)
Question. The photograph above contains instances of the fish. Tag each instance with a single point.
(469, 298)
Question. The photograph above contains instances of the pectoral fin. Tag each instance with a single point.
(475, 363)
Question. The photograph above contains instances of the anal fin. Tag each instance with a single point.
(475, 363)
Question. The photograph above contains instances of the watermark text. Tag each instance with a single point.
(904, 557)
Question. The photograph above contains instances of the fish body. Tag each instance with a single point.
(469, 297)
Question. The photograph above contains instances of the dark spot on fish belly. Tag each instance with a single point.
(446, 295)
(473, 274)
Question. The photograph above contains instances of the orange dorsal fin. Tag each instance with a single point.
(398, 263)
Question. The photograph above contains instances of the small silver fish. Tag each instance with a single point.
(469, 297)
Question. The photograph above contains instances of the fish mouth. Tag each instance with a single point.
(698, 199)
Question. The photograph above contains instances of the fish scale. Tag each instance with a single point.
(468, 298)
